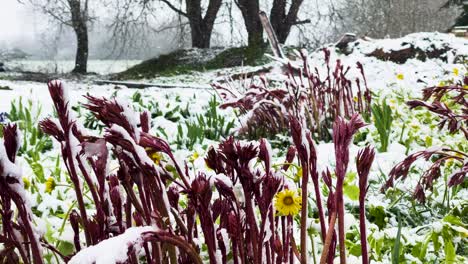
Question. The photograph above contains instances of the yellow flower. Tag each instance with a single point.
(194, 157)
(288, 202)
(156, 157)
(400, 76)
(26, 183)
(50, 185)
(456, 71)
(449, 162)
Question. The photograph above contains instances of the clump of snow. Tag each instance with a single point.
(427, 41)
(112, 250)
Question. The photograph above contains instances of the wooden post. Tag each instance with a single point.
(272, 39)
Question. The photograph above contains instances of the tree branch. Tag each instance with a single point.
(175, 9)
(301, 22)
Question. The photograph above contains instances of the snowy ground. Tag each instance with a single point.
(64, 66)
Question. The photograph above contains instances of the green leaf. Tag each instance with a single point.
(449, 249)
(352, 192)
(435, 241)
(66, 248)
(396, 246)
(37, 169)
(355, 249)
(377, 216)
(453, 220)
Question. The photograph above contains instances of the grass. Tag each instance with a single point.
(179, 62)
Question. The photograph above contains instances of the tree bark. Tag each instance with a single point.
(250, 10)
(201, 28)
(79, 17)
(283, 21)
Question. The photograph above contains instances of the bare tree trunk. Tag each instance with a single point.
(79, 19)
(250, 10)
(202, 27)
(283, 21)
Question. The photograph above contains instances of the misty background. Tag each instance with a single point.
(28, 28)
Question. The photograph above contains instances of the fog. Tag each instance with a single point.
(25, 28)
(18, 25)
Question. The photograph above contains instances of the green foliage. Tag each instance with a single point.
(396, 245)
(349, 188)
(383, 122)
(216, 126)
(209, 125)
(377, 216)
(179, 62)
(35, 143)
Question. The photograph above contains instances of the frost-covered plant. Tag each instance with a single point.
(243, 210)
(321, 99)
(35, 142)
(19, 233)
(451, 105)
(343, 132)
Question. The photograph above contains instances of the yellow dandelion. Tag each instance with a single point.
(288, 202)
(26, 183)
(400, 76)
(156, 157)
(194, 157)
(456, 71)
(50, 185)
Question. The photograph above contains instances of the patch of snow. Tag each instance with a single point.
(112, 250)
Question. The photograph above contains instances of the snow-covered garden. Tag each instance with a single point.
(330, 156)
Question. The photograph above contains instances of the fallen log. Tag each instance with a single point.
(139, 85)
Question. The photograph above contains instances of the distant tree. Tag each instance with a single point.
(201, 25)
(250, 10)
(281, 19)
(75, 14)
(395, 18)
(462, 19)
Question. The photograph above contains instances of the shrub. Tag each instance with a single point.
(320, 99)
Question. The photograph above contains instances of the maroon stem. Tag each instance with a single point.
(328, 239)
(252, 225)
(25, 217)
(305, 180)
(318, 199)
(79, 195)
(362, 227)
(340, 209)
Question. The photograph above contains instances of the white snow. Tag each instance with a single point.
(112, 250)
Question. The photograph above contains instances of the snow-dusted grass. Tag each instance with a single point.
(64, 66)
